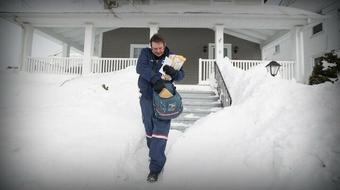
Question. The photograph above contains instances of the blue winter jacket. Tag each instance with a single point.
(148, 66)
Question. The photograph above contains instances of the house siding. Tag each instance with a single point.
(314, 45)
(116, 43)
(184, 41)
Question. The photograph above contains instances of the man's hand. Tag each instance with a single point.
(158, 86)
(170, 71)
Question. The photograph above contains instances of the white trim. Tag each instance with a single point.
(133, 46)
(243, 36)
(277, 39)
(251, 33)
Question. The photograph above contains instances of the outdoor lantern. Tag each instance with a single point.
(273, 67)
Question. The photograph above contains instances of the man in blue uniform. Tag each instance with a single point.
(149, 62)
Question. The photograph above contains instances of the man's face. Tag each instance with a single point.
(157, 48)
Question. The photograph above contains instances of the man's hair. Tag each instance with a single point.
(157, 38)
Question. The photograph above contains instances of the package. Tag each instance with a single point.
(175, 61)
(165, 93)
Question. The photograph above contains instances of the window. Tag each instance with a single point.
(277, 49)
(317, 60)
(317, 28)
(135, 49)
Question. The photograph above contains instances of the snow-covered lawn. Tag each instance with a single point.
(63, 132)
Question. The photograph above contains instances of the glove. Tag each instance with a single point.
(158, 86)
(170, 71)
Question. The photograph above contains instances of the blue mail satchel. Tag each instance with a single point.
(167, 108)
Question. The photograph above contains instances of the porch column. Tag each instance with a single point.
(66, 50)
(26, 50)
(298, 50)
(219, 42)
(153, 29)
(88, 47)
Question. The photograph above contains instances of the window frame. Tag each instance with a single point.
(135, 46)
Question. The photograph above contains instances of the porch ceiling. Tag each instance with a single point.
(75, 36)
(65, 21)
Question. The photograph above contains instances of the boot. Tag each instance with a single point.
(152, 177)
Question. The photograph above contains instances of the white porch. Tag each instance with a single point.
(82, 27)
(74, 66)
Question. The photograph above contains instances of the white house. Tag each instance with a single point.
(209, 29)
(305, 43)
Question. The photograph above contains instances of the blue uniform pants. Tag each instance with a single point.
(156, 135)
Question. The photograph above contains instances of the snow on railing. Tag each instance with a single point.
(55, 65)
(105, 65)
(206, 68)
(245, 64)
(74, 65)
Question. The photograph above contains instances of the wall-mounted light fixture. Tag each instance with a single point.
(235, 49)
(205, 49)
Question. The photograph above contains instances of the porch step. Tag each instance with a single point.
(199, 96)
(193, 103)
(198, 102)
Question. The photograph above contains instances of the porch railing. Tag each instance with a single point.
(206, 68)
(105, 65)
(222, 88)
(245, 64)
(74, 65)
(55, 65)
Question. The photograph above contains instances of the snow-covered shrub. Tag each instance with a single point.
(326, 69)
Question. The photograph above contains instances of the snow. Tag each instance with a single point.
(326, 64)
(187, 87)
(66, 132)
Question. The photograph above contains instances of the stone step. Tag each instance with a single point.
(197, 93)
(202, 104)
(201, 99)
(179, 126)
(186, 119)
(198, 102)
(186, 113)
(186, 123)
(188, 108)
(205, 109)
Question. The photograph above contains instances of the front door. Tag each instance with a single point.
(227, 51)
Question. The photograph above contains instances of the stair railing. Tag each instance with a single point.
(222, 88)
